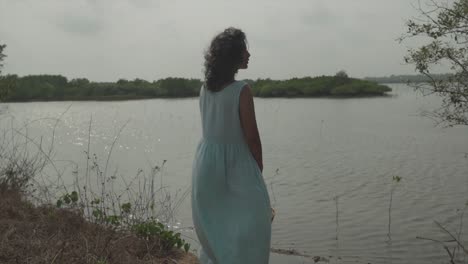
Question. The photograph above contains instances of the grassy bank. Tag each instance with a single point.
(47, 234)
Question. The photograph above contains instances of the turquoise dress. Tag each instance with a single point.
(230, 203)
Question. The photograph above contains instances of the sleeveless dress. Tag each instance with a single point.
(230, 203)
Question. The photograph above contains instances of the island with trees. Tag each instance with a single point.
(339, 85)
(59, 88)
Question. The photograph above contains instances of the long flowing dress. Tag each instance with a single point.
(230, 203)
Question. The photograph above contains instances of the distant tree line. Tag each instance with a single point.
(57, 87)
(419, 78)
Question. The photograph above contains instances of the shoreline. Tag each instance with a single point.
(47, 88)
(137, 98)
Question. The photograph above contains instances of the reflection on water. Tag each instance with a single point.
(329, 166)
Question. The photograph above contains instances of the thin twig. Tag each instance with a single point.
(452, 236)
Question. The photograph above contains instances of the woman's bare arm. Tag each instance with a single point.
(249, 124)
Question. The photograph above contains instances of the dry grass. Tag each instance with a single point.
(46, 234)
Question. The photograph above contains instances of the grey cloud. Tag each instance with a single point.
(86, 26)
(144, 3)
(160, 38)
(319, 15)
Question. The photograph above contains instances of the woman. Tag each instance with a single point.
(230, 204)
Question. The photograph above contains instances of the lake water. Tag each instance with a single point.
(329, 165)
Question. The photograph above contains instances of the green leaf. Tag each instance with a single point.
(126, 208)
(97, 213)
(74, 197)
(113, 220)
(59, 203)
(66, 198)
(397, 178)
(186, 247)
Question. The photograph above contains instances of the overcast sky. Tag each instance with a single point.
(104, 40)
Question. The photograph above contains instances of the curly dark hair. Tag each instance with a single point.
(223, 57)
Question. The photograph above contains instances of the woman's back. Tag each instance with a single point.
(220, 114)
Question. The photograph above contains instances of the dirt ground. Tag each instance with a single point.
(46, 234)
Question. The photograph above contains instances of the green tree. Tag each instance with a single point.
(342, 74)
(122, 81)
(444, 24)
(6, 82)
(2, 57)
(78, 82)
(2, 88)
